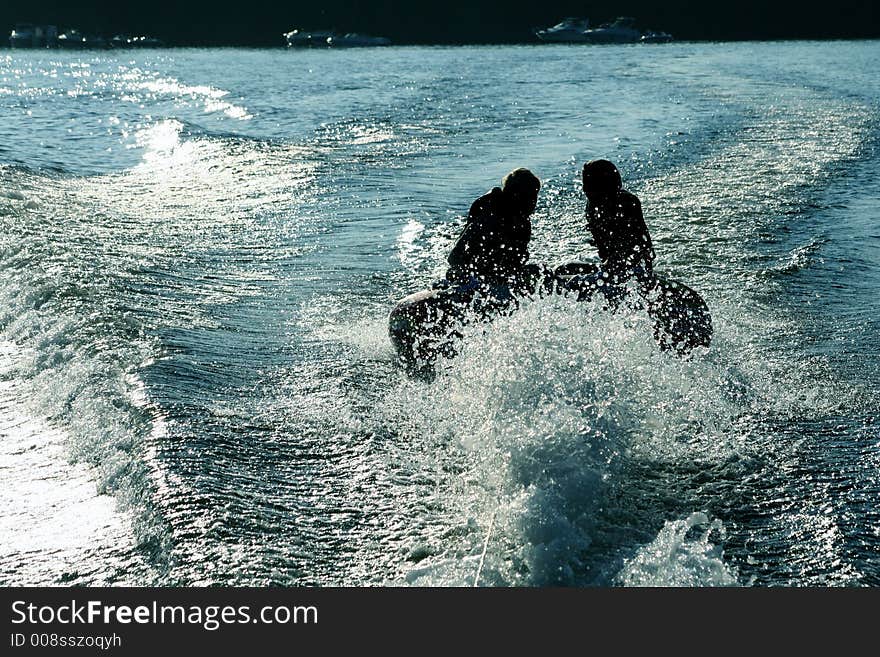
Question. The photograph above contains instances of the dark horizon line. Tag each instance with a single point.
(262, 23)
(525, 40)
(498, 42)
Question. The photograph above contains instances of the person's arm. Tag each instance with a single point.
(467, 245)
(462, 252)
(646, 243)
(634, 213)
(588, 216)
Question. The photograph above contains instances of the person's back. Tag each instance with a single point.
(493, 247)
(614, 217)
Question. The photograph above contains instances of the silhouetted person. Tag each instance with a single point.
(493, 247)
(614, 217)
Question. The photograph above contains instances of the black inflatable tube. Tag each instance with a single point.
(424, 326)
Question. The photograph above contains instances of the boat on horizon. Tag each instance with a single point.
(76, 40)
(28, 35)
(355, 40)
(331, 39)
(623, 29)
(569, 30)
(126, 41)
(655, 37)
(308, 38)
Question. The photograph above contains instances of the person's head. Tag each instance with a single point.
(601, 179)
(522, 187)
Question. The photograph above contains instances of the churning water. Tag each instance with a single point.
(199, 249)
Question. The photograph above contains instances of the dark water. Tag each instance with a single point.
(199, 250)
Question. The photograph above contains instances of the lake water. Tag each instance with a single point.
(199, 250)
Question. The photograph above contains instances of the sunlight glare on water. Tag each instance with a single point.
(198, 265)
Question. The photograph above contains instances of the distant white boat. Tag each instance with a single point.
(621, 30)
(26, 35)
(22, 36)
(330, 39)
(354, 40)
(126, 41)
(569, 30)
(656, 37)
(308, 38)
(76, 40)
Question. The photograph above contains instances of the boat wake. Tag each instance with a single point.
(553, 414)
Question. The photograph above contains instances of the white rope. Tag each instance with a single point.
(485, 547)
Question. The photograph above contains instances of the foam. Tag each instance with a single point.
(681, 557)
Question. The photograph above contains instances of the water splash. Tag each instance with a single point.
(679, 557)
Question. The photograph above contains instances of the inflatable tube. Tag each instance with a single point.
(682, 320)
(425, 325)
